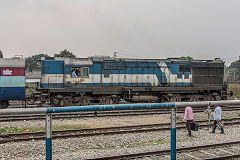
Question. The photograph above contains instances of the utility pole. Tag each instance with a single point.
(114, 54)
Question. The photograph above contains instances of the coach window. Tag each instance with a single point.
(85, 72)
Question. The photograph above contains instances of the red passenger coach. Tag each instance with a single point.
(12, 71)
(12, 80)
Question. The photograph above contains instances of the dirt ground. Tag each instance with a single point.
(119, 121)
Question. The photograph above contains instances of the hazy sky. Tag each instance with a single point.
(202, 29)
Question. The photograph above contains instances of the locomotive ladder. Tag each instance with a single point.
(45, 97)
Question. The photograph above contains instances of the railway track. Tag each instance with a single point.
(4, 138)
(22, 105)
(6, 118)
(216, 151)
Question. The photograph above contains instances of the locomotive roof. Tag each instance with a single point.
(12, 62)
(89, 60)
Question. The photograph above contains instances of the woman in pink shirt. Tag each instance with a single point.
(188, 116)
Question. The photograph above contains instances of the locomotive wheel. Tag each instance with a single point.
(56, 102)
(217, 98)
(4, 104)
(67, 101)
(30, 101)
(193, 99)
(177, 98)
(84, 101)
(206, 98)
(106, 100)
(61, 104)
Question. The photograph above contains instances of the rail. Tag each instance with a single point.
(173, 105)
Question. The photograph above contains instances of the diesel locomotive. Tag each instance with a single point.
(108, 80)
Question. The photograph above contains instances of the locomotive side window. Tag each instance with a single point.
(79, 72)
(184, 68)
(85, 72)
(106, 74)
(179, 75)
(186, 76)
(75, 72)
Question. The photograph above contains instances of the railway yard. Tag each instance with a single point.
(119, 80)
(135, 134)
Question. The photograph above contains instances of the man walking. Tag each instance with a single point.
(217, 116)
(188, 116)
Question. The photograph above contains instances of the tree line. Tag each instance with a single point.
(32, 63)
(232, 72)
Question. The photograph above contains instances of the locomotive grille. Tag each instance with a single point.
(211, 74)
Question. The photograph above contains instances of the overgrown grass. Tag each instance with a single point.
(8, 130)
(235, 88)
(30, 88)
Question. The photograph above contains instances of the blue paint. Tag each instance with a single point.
(12, 93)
(52, 85)
(48, 148)
(109, 107)
(12, 81)
(52, 67)
(67, 70)
(174, 67)
(89, 85)
(128, 67)
(96, 68)
(173, 143)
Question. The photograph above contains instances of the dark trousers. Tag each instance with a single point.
(188, 125)
(215, 126)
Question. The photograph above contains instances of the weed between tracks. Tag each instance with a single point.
(235, 88)
(8, 130)
(67, 126)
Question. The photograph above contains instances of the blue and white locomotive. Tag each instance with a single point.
(107, 80)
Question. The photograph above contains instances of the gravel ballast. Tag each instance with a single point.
(98, 146)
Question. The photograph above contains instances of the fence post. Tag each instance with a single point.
(48, 136)
(173, 133)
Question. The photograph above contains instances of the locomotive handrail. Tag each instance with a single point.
(109, 107)
(173, 105)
